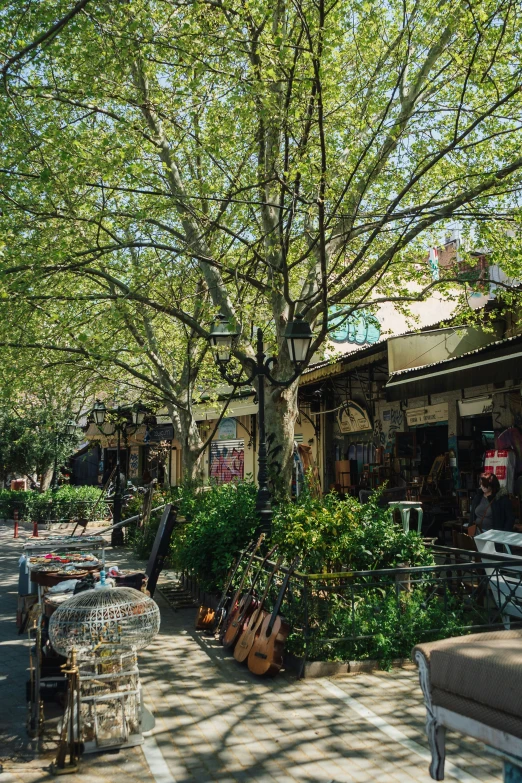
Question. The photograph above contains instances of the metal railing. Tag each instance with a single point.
(355, 615)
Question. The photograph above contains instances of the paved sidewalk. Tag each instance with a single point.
(217, 723)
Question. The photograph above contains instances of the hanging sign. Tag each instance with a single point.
(476, 406)
(431, 414)
(160, 432)
(227, 429)
(353, 418)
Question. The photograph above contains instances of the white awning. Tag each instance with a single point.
(245, 407)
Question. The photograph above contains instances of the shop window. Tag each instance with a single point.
(227, 461)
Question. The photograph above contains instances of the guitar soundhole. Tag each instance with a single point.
(261, 655)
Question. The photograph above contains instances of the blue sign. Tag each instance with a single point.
(361, 327)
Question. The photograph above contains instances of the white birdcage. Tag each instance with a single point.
(104, 623)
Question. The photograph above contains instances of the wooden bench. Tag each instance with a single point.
(473, 685)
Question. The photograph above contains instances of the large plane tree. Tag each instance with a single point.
(289, 155)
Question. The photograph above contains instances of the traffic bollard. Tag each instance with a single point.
(15, 518)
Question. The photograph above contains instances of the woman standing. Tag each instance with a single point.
(491, 507)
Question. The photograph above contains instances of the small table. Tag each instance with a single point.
(405, 507)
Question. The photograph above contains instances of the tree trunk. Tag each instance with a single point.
(280, 417)
(186, 430)
(47, 475)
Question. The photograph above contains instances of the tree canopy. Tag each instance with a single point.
(258, 158)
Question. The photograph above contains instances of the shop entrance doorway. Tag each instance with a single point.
(432, 442)
(109, 462)
(477, 437)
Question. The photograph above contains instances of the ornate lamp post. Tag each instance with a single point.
(120, 424)
(298, 337)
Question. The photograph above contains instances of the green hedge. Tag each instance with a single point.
(11, 500)
(330, 536)
(65, 503)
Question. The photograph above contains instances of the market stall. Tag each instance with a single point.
(86, 627)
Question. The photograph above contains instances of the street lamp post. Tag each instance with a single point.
(120, 423)
(298, 336)
(55, 466)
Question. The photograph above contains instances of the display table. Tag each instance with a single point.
(33, 581)
(505, 584)
(405, 507)
(486, 542)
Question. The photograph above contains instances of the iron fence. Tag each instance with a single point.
(356, 615)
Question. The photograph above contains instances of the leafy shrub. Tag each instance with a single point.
(378, 624)
(220, 521)
(14, 499)
(369, 621)
(333, 535)
(375, 620)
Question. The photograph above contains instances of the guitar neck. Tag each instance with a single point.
(230, 579)
(247, 569)
(267, 586)
(282, 591)
(260, 569)
(233, 570)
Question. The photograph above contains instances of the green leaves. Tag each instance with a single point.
(332, 535)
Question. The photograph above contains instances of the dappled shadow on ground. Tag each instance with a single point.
(217, 722)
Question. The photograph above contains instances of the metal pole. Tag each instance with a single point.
(55, 468)
(117, 535)
(263, 504)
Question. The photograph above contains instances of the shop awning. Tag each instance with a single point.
(499, 361)
(236, 408)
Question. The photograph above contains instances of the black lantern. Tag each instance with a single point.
(99, 412)
(70, 427)
(298, 337)
(222, 339)
(139, 414)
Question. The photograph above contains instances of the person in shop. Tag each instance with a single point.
(491, 507)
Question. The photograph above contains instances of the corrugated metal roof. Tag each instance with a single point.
(482, 349)
(344, 358)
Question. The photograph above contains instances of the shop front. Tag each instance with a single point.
(423, 433)
(151, 452)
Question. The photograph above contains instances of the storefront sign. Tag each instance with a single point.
(476, 406)
(227, 429)
(431, 414)
(353, 418)
(161, 432)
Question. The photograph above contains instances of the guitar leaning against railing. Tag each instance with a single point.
(232, 607)
(208, 619)
(245, 607)
(266, 655)
(246, 640)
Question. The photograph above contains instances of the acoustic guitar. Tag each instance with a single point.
(244, 609)
(232, 606)
(266, 655)
(251, 628)
(210, 619)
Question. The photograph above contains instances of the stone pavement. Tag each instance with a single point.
(215, 722)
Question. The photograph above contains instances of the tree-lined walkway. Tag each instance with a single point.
(216, 723)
